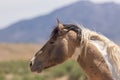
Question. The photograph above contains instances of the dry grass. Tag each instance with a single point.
(17, 51)
(14, 65)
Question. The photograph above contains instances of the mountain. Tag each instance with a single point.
(103, 18)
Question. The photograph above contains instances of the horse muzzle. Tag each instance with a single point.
(35, 68)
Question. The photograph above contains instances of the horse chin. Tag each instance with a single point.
(49, 66)
(39, 71)
(41, 68)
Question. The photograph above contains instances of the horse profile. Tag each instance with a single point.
(98, 56)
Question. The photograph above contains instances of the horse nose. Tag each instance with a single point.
(30, 64)
(32, 61)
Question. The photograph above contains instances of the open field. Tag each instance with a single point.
(19, 70)
(14, 65)
(17, 51)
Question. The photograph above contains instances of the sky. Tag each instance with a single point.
(12, 11)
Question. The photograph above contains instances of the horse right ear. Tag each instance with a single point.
(59, 25)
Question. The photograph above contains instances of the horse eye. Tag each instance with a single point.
(51, 42)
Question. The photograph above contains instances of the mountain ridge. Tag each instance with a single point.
(103, 18)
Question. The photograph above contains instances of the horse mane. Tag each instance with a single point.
(112, 49)
(69, 27)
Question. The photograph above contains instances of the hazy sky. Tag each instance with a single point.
(12, 11)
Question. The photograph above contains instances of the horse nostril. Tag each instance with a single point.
(30, 64)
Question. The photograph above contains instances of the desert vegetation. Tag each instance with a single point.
(14, 65)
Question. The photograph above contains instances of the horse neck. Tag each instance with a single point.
(93, 63)
(111, 52)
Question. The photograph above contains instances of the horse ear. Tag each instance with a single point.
(60, 25)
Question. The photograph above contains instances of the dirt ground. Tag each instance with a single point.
(18, 51)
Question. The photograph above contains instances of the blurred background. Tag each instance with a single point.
(25, 25)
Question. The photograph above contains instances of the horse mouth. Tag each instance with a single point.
(36, 69)
(39, 68)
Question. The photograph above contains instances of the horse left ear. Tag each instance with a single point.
(60, 25)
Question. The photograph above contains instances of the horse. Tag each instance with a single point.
(98, 56)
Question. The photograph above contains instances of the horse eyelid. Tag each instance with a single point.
(51, 42)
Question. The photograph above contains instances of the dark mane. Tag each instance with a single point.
(69, 27)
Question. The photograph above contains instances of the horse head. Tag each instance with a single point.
(61, 46)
